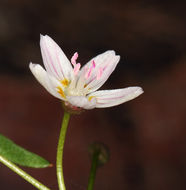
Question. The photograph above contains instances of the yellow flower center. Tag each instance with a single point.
(90, 98)
(60, 91)
(64, 82)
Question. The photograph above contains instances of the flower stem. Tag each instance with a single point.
(95, 159)
(60, 147)
(23, 174)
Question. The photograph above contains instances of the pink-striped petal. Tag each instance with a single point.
(55, 61)
(109, 98)
(46, 80)
(106, 63)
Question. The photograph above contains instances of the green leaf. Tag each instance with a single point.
(19, 155)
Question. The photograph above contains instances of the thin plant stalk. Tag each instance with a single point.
(60, 148)
(95, 159)
(23, 174)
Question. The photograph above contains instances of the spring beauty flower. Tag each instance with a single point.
(75, 86)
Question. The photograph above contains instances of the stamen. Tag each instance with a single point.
(77, 68)
(76, 65)
(74, 58)
(60, 91)
(99, 74)
(90, 98)
(64, 82)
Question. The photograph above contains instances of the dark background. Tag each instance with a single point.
(146, 137)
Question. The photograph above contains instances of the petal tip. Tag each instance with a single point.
(41, 36)
(44, 37)
(139, 91)
(31, 65)
(113, 53)
(117, 57)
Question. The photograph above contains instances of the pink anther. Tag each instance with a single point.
(76, 65)
(99, 74)
(74, 58)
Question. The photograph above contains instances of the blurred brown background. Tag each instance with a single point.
(146, 137)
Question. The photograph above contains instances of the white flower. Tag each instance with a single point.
(78, 87)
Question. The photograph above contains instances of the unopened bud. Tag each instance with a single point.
(102, 151)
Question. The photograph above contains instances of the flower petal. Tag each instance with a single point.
(107, 63)
(82, 102)
(55, 61)
(109, 98)
(47, 81)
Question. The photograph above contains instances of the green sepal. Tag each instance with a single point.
(19, 155)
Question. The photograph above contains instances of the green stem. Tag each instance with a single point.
(93, 169)
(23, 174)
(60, 147)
